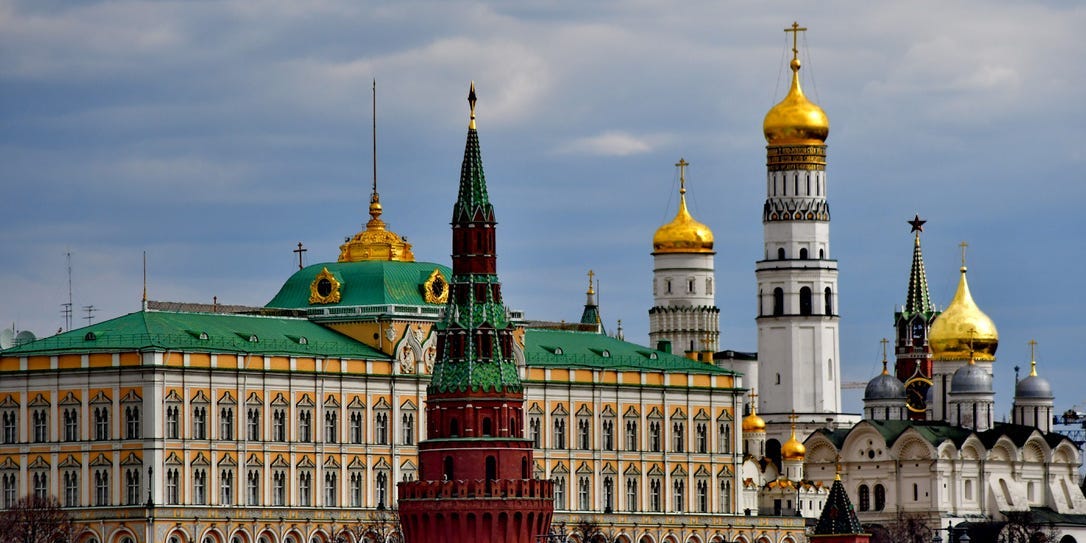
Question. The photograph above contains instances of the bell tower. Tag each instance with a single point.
(798, 355)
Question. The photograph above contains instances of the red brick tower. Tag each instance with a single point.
(475, 483)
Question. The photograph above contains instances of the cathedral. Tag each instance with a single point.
(388, 399)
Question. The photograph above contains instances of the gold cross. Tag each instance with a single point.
(591, 274)
(1032, 358)
(884, 342)
(795, 30)
(682, 164)
(963, 245)
(793, 417)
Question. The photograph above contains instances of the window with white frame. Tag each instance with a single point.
(40, 480)
(279, 488)
(305, 484)
(725, 495)
(173, 425)
(252, 422)
(11, 425)
(654, 436)
(702, 438)
(279, 425)
(382, 488)
(559, 432)
(71, 424)
(10, 479)
(132, 421)
(679, 489)
(584, 433)
(305, 425)
(173, 485)
(132, 486)
(226, 487)
(560, 492)
(330, 426)
(631, 493)
(101, 423)
(631, 434)
(40, 417)
(607, 432)
(356, 477)
(71, 487)
(535, 425)
(226, 423)
(101, 487)
(199, 422)
(199, 486)
(584, 493)
(408, 428)
(380, 427)
(330, 489)
(655, 495)
(252, 486)
(356, 419)
(703, 495)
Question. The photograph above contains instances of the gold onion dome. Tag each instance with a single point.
(752, 422)
(796, 120)
(683, 234)
(376, 242)
(963, 328)
(793, 449)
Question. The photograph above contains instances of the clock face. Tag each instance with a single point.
(916, 391)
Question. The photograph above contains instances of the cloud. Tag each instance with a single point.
(611, 143)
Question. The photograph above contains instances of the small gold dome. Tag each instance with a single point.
(753, 423)
(793, 449)
(963, 328)
(796, 120)
(376, 242)
(683, 234)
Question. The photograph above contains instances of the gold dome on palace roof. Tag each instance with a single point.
(962, 328)
(683, 234)
(376, 242)
(796, 120)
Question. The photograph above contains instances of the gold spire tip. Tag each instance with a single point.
(682, 164)
(591, 274)
(1032, 358)
(964, 246)
(471, 102)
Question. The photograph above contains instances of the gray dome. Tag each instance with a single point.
(1033, 387)
(884, 387)
(971, 379)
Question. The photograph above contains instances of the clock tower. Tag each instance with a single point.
(912, 322)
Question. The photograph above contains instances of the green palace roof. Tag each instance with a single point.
(202, 332)
(374, 282)
(937, 432)
(569, 349)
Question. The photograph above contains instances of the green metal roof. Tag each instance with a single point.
(570, 349)
(936, 432)
(375, 282)
(224, 333)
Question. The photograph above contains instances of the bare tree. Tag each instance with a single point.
(906, 528)
(36, 520)
(1024, 527)
(588, 530)
(380, 526)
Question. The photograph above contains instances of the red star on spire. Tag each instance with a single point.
(917, 224)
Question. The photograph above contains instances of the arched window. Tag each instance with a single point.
(487, 426)
(805, 301)
(454, 428)
(491, 468)
(778, 301)
(821, 254)
(865, 498)
(448, 468)
(829, 301)
(780, 253)
(880, 497)
(803, 254)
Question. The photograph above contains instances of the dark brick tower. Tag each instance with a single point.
(475, 483)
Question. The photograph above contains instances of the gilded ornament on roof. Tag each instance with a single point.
(436, 288)
(963, 328)
(796, 120)
(324, 289)
(376, 242)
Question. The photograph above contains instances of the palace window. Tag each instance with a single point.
(279, 488)
(865, 498)
(226, 487)
(631, 435)
(702, 438)
(279, 425)
(101, 487)
(71, 424)
(703, 496)
(560, 492)
(655, 496)
(356, 488)
(654, 436)
(199, 422)
(226, 423)
(9, 479)
(252, 421)
(380, 428)
(678, 435)
(252, 487)
(71, 488)
(725, 496)
(880, 497)
(11, 425)
(305, 482)
(679, 488)
(199, 487)
(534, 431)
(172, 425)
(608, 494)
(305, 425)
(41, 484)
(584, 435)
(132, 486)
(101, 423)
(725, 438)
(583, 493)
(356, 426)
(608, 434)
(41, 425)
(631, 494)
(382, 488)
(559, 433)
(132, 421)
(330, 494)
(331, 421)
(408, 428)
(173, 480)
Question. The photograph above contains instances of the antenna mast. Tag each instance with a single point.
(375, 137)
(67, 308)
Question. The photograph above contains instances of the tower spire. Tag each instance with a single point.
(918, 297)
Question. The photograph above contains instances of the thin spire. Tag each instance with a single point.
(374, 140)
(918, 297)
(471, 102)
(144, 300)
(963, 245)
(884, 370)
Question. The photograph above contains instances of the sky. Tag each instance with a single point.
(216, 135)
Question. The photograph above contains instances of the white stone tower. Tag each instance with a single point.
(798, 366)
(684, 311)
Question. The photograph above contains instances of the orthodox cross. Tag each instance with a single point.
(793, 418)
(300, 250)
(1032, 358)
(884, 342)
(917, 224)
(795, 30)
(591, 274)
(682, 164)
(963, 245)
(972, 333)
